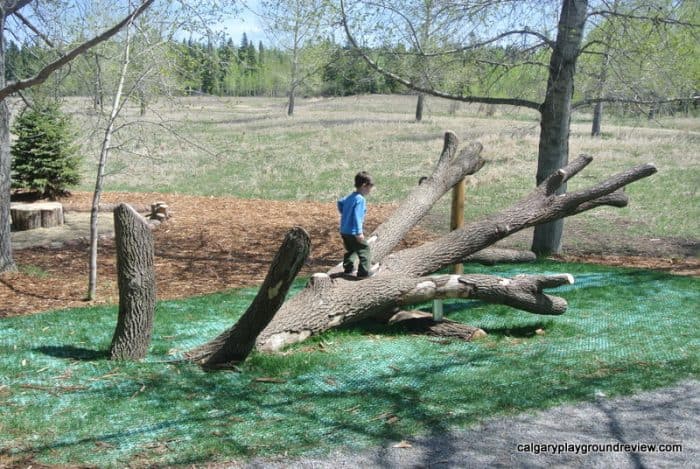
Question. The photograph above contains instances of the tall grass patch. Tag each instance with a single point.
(248, 147)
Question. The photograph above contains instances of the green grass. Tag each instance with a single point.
(65, 403)
(248, 147)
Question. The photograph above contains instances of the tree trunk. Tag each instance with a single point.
(419, 107)
(137, 285)
(290, 103)
(556, 114)
(405, 277)
(597, 119)
(234, 345)
(6, 262)
(101, 163)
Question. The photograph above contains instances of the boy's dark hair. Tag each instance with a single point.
(363, 178)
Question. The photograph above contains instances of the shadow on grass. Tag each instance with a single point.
(520, 332)
(302, 412)
(73, 353)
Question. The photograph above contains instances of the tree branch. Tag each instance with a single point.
(431, 91)
(540, 206)
(46, 72)
(522, 291)
(612, 99)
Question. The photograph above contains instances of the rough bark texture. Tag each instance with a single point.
(493, 256)
(235, 344)
(597, 119)
(38, 215)
(332, 300)
(555, 111)
(6, 262)
(137, 285)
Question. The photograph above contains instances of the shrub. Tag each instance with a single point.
(44, 158)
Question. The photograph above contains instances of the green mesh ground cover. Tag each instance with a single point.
(63, 402)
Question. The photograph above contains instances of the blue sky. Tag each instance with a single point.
(243, 22)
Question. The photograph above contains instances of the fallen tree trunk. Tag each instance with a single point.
(405, 277)
(493, 256)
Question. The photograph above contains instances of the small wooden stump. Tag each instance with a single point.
(159, 211)
(27, 216)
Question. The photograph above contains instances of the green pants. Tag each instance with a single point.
(356, 249)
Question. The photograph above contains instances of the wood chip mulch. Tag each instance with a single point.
(209, 244)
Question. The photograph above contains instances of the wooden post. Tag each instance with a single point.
(137, 285)
(456, 221)
(457, 215)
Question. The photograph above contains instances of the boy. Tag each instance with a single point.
(352, 210)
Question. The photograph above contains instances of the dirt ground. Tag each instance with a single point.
(215, 243)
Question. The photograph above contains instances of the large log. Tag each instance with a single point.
(35, 215)
(314, 310)
(405, 277)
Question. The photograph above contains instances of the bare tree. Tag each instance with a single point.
(296, 26)
(639, 56)
(8, 9)
(497, 47)
(406, 277)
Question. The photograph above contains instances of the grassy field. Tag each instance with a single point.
(248, 147)
(627, 330)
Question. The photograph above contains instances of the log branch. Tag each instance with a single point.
(540, 206)
(235, 344)
(493, 256)
(423, 323)
(522, 292)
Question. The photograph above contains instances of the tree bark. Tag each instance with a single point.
(137, 285)
(493, 256)
(556, 114)
(7, 263)
(597, 119)
(234, 345)
(290, 102)
(419, 107)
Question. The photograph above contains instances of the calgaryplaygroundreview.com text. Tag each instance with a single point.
(586, 448)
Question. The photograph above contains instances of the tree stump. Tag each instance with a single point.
(137, 285)
(35, 215)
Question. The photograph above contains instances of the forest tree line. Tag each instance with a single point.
(243, 68)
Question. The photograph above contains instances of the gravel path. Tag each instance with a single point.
(669, 416)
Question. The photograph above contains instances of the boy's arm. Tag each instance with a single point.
(359, 217)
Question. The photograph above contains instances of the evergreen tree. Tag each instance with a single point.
(44, 157)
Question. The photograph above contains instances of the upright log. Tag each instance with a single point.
(137, 285)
